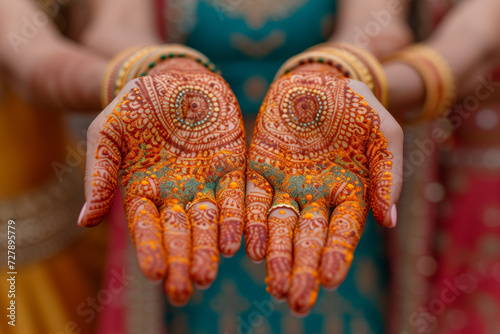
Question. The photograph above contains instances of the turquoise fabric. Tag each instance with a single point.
(237, 301)
(214, 32)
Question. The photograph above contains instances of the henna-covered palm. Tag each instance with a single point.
(177, 142)
(318, 146)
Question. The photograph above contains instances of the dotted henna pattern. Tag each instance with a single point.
(317, 146)
(178, 143)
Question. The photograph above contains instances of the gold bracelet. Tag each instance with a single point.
(318, 56)
(109, 77)
(437, 75)
(370, 69)
(138, 61)
(352, 61)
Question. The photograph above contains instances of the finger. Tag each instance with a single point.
(344, 231)
(102, 172)
(385, 153)
(145, 230)
(203, 217)
(104, 140)
(281, 223)
(309, 239)
(231, 201)
(177, 243)
(259, 195)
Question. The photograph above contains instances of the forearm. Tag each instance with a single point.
(469, 46)
(377, 25)
(119, 24)
(45, 68)
(69, 77)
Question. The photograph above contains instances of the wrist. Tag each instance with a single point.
(179, 64)
(141, 61)
(436, 83)
(347, 60)
(407, 89)
(316, 67)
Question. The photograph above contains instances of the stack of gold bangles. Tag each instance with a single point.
(352, 61)
(138, 61)
(436, 74)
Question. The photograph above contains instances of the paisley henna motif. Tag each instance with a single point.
(317, 146)
(178, 143)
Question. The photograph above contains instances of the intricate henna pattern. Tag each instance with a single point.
(317, 146)
(178, 143)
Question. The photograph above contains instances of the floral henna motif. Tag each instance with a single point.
(317, 146)
(258, 201)
(105, 173)
(231, 200)
(279, 255)
(309, 239)
(178, 143)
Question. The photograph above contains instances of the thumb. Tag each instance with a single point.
(385, 152)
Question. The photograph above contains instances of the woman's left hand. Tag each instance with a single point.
(322, 143)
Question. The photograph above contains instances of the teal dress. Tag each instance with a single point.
(249, 40)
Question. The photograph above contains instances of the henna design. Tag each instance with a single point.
(231, 199)
(344, 232)
(258, 201)
(279, 253)
(104, 177)
(316, 145)
(205, 250)
(177, 242)
(309, 239)
(178, 143)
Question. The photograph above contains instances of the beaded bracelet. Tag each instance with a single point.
(352, 61)
(138, 61)
(437, 75)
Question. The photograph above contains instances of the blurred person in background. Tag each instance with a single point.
(445, 258)
(41, 183)
(249, 55)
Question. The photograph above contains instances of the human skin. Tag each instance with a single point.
(60, 73)
(51, 71)
(175, 140)
(47, 69)
(322, 143)
(470, 45)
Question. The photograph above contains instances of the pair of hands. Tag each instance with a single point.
(176, 141)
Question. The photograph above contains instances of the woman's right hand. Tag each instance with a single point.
(176, 141)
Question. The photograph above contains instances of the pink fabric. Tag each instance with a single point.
(466, 295)
(112, 317)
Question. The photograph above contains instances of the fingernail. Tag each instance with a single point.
(394, 216)
(81, 214)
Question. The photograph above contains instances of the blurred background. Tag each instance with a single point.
(437, 272)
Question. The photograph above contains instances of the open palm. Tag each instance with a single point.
(318, 146)
(177, 142)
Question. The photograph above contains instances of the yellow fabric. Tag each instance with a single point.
(30, 140)
(47, 300)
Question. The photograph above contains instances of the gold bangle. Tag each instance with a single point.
(353, 62)
(109, 77)
(437, 75)
(317, 56)
(368, 65)
(138, 61)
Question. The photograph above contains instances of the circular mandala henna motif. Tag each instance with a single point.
(194, 107)
(303, 108)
